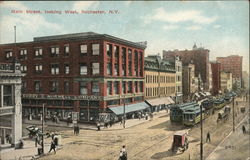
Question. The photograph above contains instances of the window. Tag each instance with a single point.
(54, 85)
(109, 88)
(116, 87)
(130, 87)
(83, 88)
(109, 50)
(66, 50)
(38, 88)
(54, 69)
(38, 52)
(116, 50)
(38, 68)
(83, 69)
(23, 54)
(9, 54)
(7, 95)
(130, 68)
(83, 49)
(95, 49)
(66, 87)
(124, 87)
(54, 51)
(23, 68)
(136, 87)
(95, 68)
(109, 69)
(66, 68)
(116, 69)
(141, 86)
(95, 88)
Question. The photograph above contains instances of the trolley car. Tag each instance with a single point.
(219, 103)
(192, 115)
(176, 111)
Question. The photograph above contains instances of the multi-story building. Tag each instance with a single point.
(160, 81)
(87, 72)
(10, 103)
(245, 77)
(210, 79)
(188, 81)
(200, 58)
(232, 64)
(226, 81)
(215, 67)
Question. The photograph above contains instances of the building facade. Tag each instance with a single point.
(159, 78)
(226, 80)
(87, 72)
(199, 57)
(215, 67)
(188, 81)
(232, 64)
(10, 103)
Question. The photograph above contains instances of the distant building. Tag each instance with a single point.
(232, 64)
(245, 77)
(188, 81)
(210, 79)
(88, 73)
(200, 58)
(226, 81)
(215, 66)
(10, 103)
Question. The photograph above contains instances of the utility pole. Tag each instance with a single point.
(201, 145)
(124, 113)
(233, 116)
(43, 131)
(88, 109)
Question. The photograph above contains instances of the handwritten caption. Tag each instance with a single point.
(70, 12)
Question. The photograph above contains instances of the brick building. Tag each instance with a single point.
(199, 57)
(226, 81)
(216, 80)
(232, 64)
(87, 72)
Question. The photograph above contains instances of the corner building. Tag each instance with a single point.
(86, 72)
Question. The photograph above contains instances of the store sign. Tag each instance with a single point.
(62, 97)
(4, 111)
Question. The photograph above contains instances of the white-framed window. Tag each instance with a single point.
(54, 86)
(83, 69)
(9, 54)
(83, 49)
(38, 52)
(109, 87)
(83, 88)
(23, 68)
(95, 49)
(54, 69)
(66, 50)
(38, 68)
(38, 86)
(95, 88)
(54, 51)
(95, 68)
(23, 53)
(66, 68)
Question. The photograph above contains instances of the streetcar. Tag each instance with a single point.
(192, 115)
(208, 104)
(219, 103)
(176, 111)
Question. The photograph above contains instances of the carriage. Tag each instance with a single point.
(180, 141)
(223, 114)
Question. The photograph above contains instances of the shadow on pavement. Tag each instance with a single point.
(168, 126)
(161, 155)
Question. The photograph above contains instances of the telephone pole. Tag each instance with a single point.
(201, 145)
(233, 116)
(43, 131)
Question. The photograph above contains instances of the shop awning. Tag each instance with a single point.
(160, 101)
(129, 108)
(203, 94)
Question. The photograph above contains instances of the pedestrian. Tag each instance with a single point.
(243, 129)
(52, 146)
(123, 153)
(75, 130)
(36, 140)
(208, 137)
(78, 129)
(98, 126)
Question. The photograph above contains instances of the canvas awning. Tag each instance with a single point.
(203, 94)
(208, 93)
(129, 108)
(160, 101)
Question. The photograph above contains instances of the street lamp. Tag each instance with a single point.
(124, 113)
(233, 116)
(43, 131)
(201, 145)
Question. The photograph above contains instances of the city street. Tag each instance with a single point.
(149, 140)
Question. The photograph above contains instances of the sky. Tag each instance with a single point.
(220, 26)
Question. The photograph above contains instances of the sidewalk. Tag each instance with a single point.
(28, 152)
(117, 126)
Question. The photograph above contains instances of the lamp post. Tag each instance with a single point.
(201, 145)
(88, 109)
(124, 113)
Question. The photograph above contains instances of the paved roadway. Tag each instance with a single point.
(236, 146)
